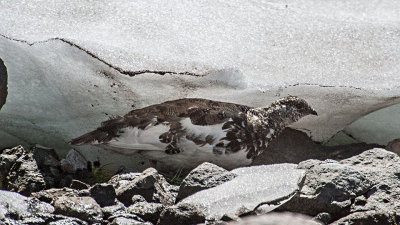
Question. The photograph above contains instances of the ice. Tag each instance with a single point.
(380, 127)
(341, 56)
(252, 187)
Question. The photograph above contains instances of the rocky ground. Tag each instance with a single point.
(39, 188)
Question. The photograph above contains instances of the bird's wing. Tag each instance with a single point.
(200, 111)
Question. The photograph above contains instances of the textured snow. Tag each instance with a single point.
(341, 56)
(253, 186)
(270, 42)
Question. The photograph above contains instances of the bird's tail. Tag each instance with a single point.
(93, 137)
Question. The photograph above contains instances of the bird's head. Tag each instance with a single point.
(291, 109)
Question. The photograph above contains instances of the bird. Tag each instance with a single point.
(186, 132)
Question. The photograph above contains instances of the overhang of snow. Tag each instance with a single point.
(72, 64)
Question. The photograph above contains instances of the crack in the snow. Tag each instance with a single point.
(119, 69)
(321, 85)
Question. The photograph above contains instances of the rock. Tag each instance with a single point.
(50, 195)
(150, 184)
(48, 164)
(14, 206)
(68, 221)
(126, 219)
(394, 146)
(148, 211)
(24, 176)
(382, 167)
(137, 198)
(28, 171)
(60, 220)
(265, 186)
(206, 175)
(277, 219)
(85, 208)
(120, 180)
(324, 218)
(3, 83)
(117, 209)
(78, 185)
(73, 161)
(369, 218)
(7, 159)
(104, 194)
(329, 186)
(183, 214)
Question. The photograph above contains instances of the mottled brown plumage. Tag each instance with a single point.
(198, 125)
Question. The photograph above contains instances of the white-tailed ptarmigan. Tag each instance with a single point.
(187, 132)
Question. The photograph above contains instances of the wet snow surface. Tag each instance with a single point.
(342, 56)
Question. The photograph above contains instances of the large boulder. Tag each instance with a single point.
(150, 184)
(255, 187)
(362, 189)
(26, 171)
(206, 175)
(24, 176)
(329, 186)
(381, 204)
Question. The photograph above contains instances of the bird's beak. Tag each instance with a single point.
(313, 112)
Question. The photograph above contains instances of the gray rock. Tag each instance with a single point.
(104, 194)
(68, 221)
(206, 175)
(277, 219)
(55, 219)
(14, 206)
(183, 214)
(24, 176)
(150, 184)
(78, 185)
(50, 195)
(7, 159)
(48, 164)
(257, 186)
(126, 219)
(117, 209)
(324, 218)
(121, 180)
(369, 218)
(382, 167)
(85, 208)
(329, 186)
(138, 198)
(148, 211)
(27, 171)
(73, 161)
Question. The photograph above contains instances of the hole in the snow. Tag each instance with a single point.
(3, 83)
